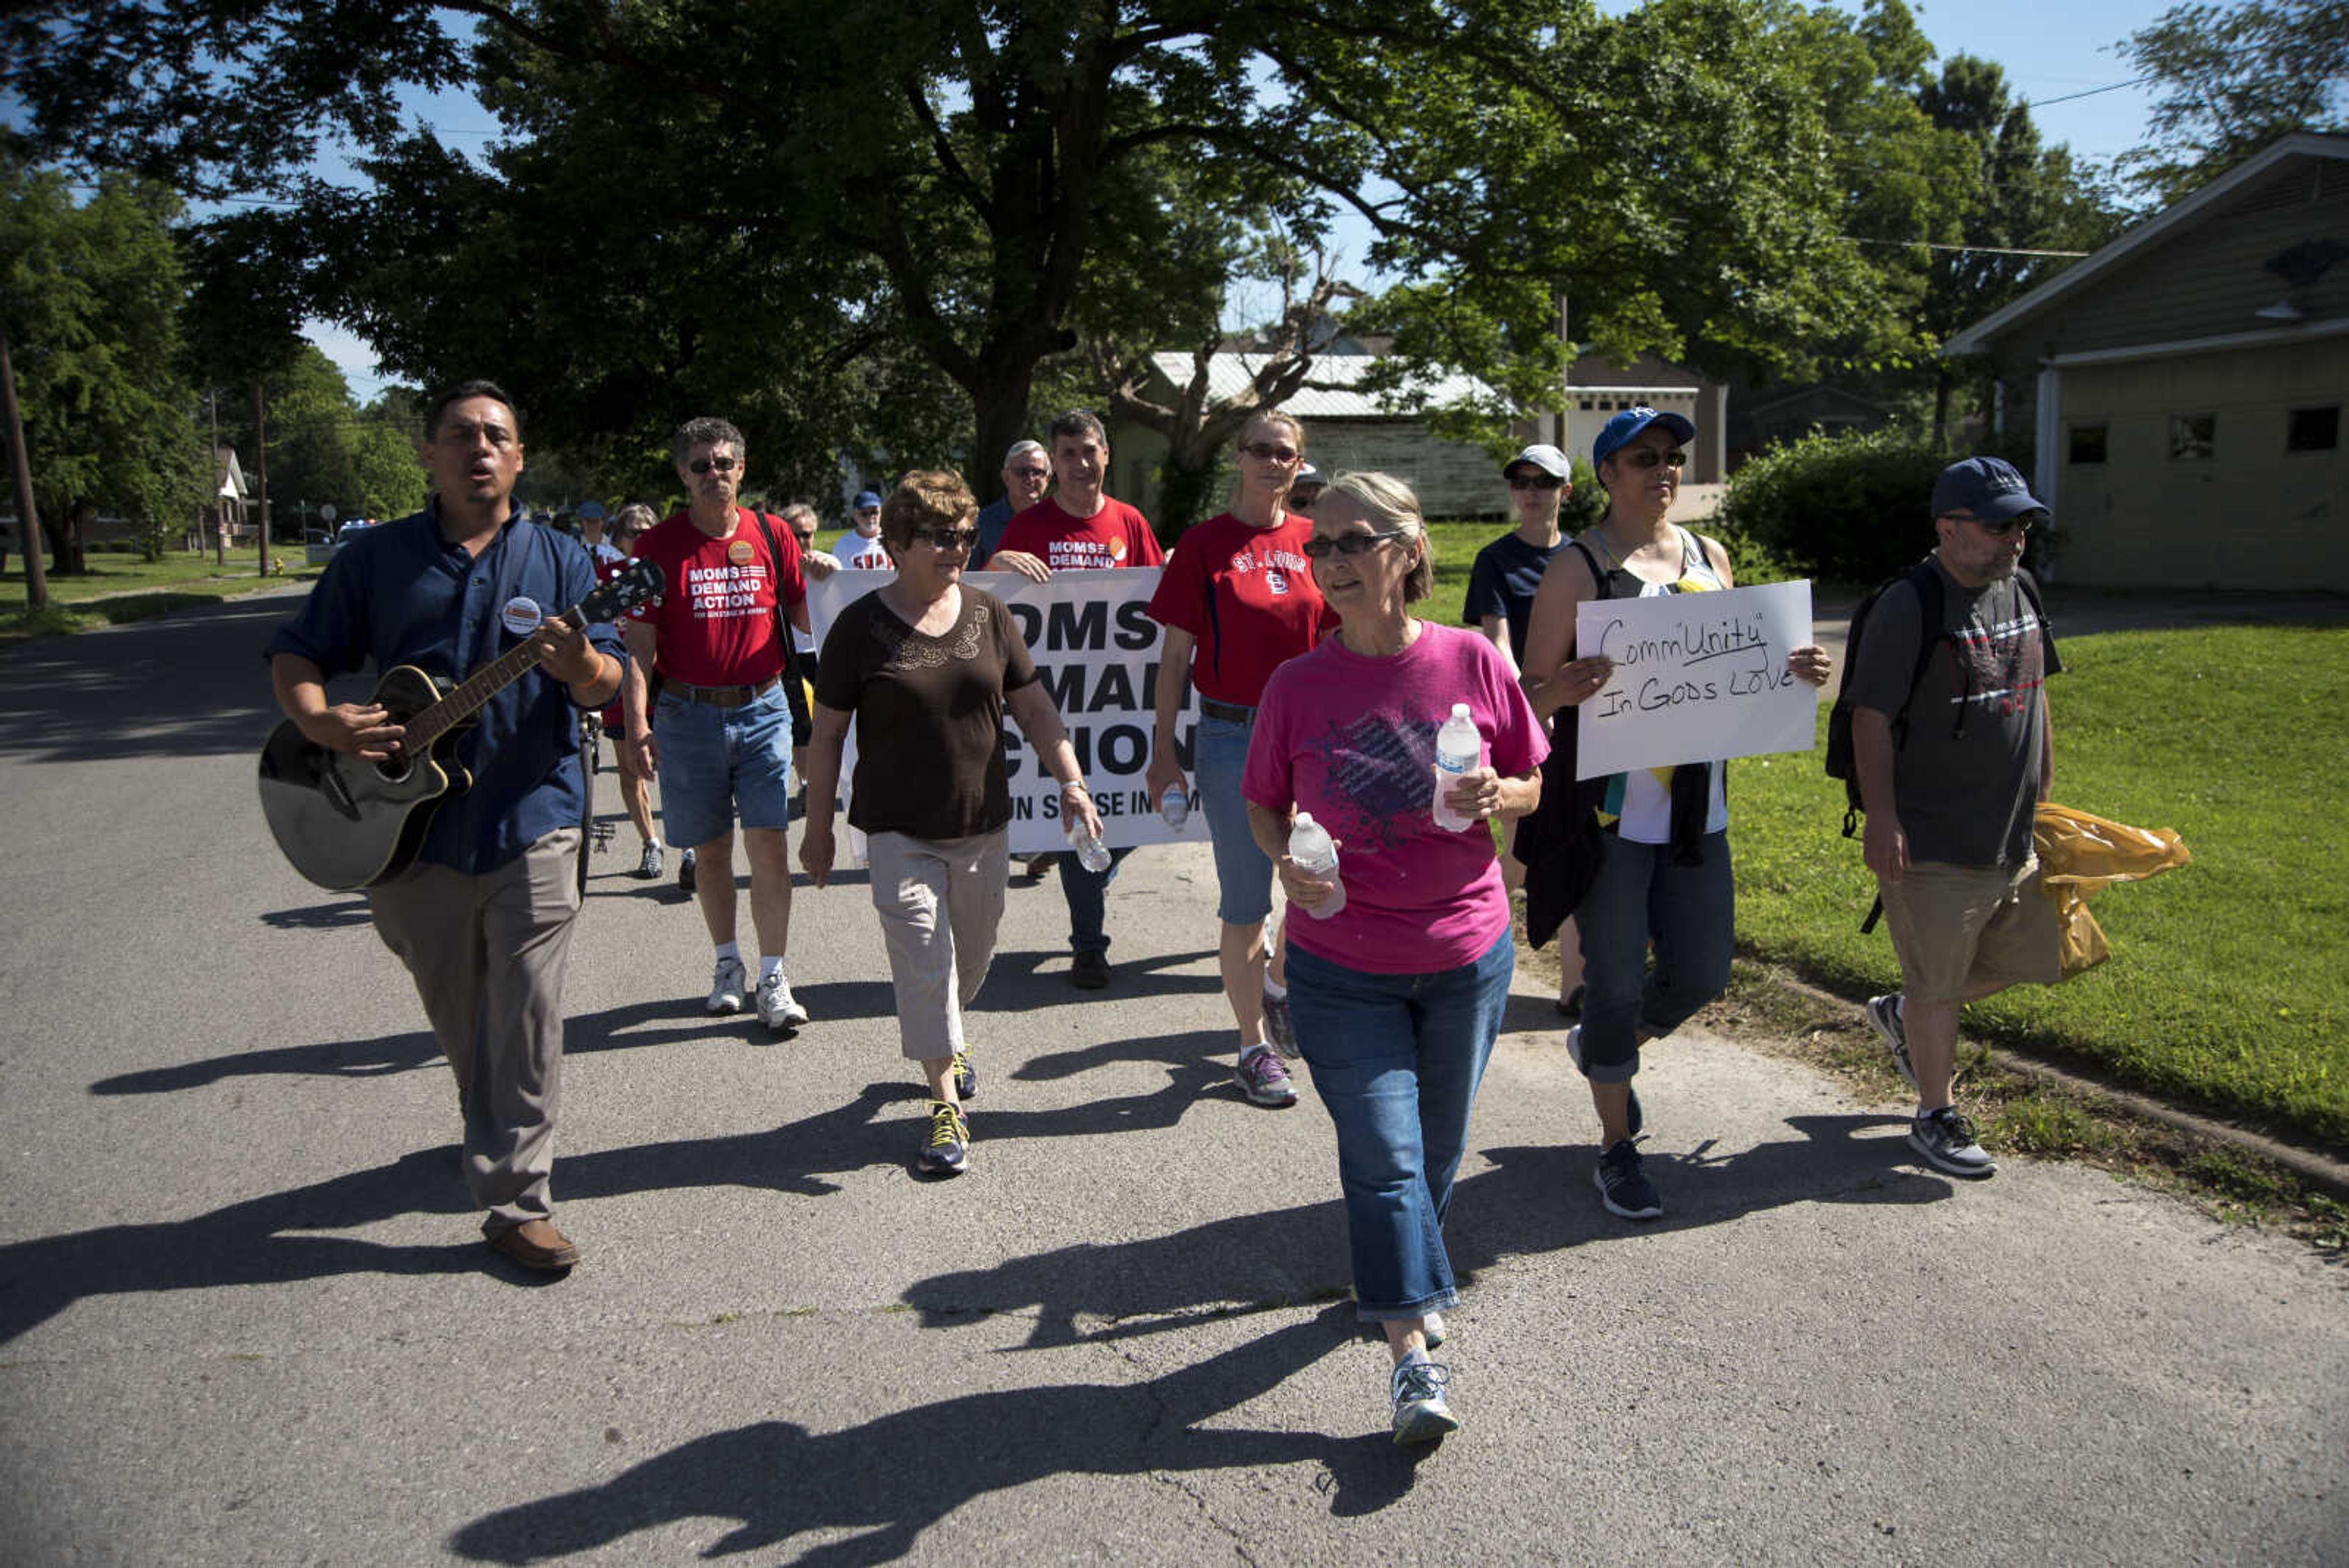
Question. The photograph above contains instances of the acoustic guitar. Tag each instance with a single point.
(347, 822)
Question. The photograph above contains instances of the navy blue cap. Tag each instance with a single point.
(1985, 488)
(868, 501)
(1625, 427)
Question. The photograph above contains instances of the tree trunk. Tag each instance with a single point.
(1941, 389)
(1000, 414)
(29, 516)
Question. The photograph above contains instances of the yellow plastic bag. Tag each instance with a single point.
(2079, 854)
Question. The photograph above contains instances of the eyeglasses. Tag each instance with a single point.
(1648, 457)
(2018, 524)
(1269, 452)
(947, 538)
(722, 463)
(1320, 548)
(1030, 474)
(1535, 482)
(1303, 503)
(804, 536)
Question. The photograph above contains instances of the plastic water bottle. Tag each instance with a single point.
(1310, 847)
(1458, 749)
(1091, 853)
(1174, 806)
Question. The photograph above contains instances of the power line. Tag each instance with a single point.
(2069, 97)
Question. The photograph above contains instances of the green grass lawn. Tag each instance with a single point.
(119, 589)
(2229, 980)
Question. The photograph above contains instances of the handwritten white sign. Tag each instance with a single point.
(1096, 651)
(1698, 678)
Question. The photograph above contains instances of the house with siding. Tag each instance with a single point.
(2183, 386)
(1344, 429)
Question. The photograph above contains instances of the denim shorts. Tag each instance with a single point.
(716, 762)
(1219, 750)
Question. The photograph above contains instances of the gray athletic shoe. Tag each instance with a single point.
(1887, 1016)
(1946, 1138)
(1279, 1029)
(649, 868)
(727, 984)
(1416, 1392)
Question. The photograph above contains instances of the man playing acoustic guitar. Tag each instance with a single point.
(482, 918)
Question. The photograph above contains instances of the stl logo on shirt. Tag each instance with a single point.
(1276, 579)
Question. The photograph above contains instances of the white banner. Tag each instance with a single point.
(1096, 651)
(1698, 678)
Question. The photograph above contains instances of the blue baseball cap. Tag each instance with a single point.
(1987, 488)
(868, 501)
(1624, 428)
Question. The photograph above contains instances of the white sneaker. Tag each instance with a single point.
(1432, 1329)
(726, 986)
(778, 1009)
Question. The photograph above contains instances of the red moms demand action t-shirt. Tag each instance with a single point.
(1248, 595)
(1116, 536)
(715, 614)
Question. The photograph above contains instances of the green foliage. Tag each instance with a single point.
(92, 292)
(2231, 80)
(1855, 508)
(2228, 983)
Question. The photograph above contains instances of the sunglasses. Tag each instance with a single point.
(722, 463)
(1031, 474)
(947, 538)
(1268, 452)
(1648, 457)
(1535, 482)
(1320, 548)
(2018, 524)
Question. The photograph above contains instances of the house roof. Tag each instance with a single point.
(1325, 395)
(2153, 231)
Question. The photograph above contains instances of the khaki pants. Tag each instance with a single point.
(940, 902)
(487, 952)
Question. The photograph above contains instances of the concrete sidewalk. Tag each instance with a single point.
(245, 1315)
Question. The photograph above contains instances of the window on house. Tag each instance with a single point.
(2088, 443)
(2193, 438)
(2314, 430)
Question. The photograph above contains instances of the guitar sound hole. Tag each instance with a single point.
(395, 773)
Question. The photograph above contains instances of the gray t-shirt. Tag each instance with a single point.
(1967, 780)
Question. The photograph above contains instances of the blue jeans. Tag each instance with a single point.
(715, 762)
(1691, 914)
(1087, 893)
(1243, 876)
(1397, 1058)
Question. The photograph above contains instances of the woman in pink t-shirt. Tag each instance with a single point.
(1396, 996)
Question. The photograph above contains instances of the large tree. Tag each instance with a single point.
(2231, 79)
(93, 290)
(788, 208)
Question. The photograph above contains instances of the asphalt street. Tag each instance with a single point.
(246, 1317)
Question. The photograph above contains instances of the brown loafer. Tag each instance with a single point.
(536, 1245)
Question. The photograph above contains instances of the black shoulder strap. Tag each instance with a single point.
(1926, 578)
(782, 616)
(1598, 577)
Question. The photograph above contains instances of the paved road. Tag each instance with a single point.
(244, 1316)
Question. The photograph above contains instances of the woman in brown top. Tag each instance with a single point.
(927, 667)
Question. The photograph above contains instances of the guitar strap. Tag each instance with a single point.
(512, 548)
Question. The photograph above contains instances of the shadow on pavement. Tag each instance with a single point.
(127, 692)
(374, 1058)
(244, 1244)
(1533, 1201)
(319, 917)
(893, 1477)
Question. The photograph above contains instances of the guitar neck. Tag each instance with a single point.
(478, 688)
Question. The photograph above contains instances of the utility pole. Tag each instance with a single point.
(28, 522)
(219, 506)
(260, 472)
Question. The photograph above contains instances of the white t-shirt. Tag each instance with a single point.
(859, 554)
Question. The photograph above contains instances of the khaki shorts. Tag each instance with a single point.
(1959, 928)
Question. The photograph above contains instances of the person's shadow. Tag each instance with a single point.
(895, 1477)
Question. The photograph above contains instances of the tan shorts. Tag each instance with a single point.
(1959, 928)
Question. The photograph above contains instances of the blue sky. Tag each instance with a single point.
(2052, 49)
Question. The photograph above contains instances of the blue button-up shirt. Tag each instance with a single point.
(401, 594)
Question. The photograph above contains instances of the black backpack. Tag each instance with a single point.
(1926, 578)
